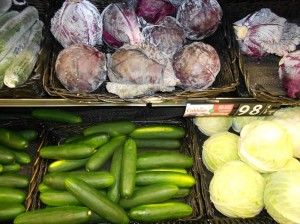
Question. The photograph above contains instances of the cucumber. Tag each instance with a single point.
(29, 134)
(67, 165)
(158, 132)
(158, 143)
(94, 140)
(9, 211)
(160, 212)
(113, 192)
(155, 177)
(104, 153)
(163, 158)
(66, 151)
(6, 155)
(72, 138)
(11, 195)
(1, 168)
(12, 140)
(98, 203)
(113, 128)
(14, 167)
(128, 170)
(97, 179)
(43, 187)
(150, 194)
(56, 115)
(22, 157)
(179, 170)
(55, 215)
(95, 219)
(14, 180)
(58, 198)
(183, 192)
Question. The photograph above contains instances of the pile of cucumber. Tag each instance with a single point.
(115, 172)
(14, 183)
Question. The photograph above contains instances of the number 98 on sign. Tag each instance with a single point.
(253, 110)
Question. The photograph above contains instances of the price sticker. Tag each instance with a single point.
(256, 109)
(193, 110)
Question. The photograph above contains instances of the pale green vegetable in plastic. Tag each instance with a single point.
(238, 122)
(265, 145)
(237, 190)
(282, 197)
(290, 119)
(212, 125)
(218, 149)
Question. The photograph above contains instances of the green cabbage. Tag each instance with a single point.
(237, 190)
(290, 119)
(212, 125)
(239, 122)
(218, 149)
(282, 197)
(265, 145)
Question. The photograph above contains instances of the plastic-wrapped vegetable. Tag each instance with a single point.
(167, 35)
(120, 25)
(213, 125)
(139, 65)
(289, 73)
(196, 65)
(153, 11)
(77, 21)
(81, 68)
(5, 6)
(199, 18)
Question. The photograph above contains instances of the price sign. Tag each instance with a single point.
(193, 110)
(255, 109)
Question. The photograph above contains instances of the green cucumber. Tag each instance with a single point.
(183, 192)
(98, 203)
(29, 134)
(1, 168)
(158, 132)
(13, 140)
(104, 153)
(58, 198)
(72, 138)
(22, 157)
(55, 215)
(6, 155)
(9, 211)
(150, 194)
(113, 128)
(97, 179)
(67, 165)
(179, 170)
(158, 143)
(113, 192)
(160, 212)
(163, 158)
(14, 167)
(66, 151)
(95, 219)
(154, 177)
(14, 180)
(94, 140)
(43, 187)
(128, 170)
(56, 115)
(11, 195)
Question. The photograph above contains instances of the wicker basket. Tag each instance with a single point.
(226, 81)
(58, 134)
(262, 78)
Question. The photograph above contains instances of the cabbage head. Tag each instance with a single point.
(237, 190)
(282, 197)
(265, 145)
(218, 149)
(290, 119)
(238, 122)
(212, 125)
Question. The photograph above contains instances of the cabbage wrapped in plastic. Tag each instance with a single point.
(153, 11)
(140, 65)
(77, 21)
(167, 35)
(239, 122)
(120, 25)
(199, 18)
(218, 149)
(281, 196)
(289, 73)
(265, 145)
(212, 125)
(237, 190)
(263, 32)
(196, 65)
(81, 68)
